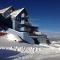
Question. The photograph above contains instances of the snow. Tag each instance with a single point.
(5, 9)
(16, 12)
(35, 52)
(12, 37)
(29, 51)
(10, 54)
(26, 51)
(23, 35)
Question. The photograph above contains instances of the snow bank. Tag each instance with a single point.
(22, 35)
(9, 35)
(12, 37)
(34, 50)
(41, 49)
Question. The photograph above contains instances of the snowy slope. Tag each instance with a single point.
(35, 52)
(25, 51)
(22, 35)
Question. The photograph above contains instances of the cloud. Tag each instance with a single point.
(51, 34)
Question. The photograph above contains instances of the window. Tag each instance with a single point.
(22, 22)
(23, 15)
(22, 29)
(18, 19)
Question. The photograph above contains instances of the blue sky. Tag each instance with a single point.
(43, 13)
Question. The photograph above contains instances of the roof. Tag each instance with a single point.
(16, 12)
(5, 9)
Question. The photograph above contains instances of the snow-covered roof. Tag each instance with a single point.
(5, 9)
(16, 12)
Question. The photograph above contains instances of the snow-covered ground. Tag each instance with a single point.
(14, 50)
(29, 51)
(22, 35)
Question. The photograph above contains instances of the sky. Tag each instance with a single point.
(43, 13)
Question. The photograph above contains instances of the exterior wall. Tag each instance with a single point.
(25, 22)
(8, 22)
(19, 21)
(13, 23)
(17, 25)
(25, 37)
(42, 38)
(5, 23)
